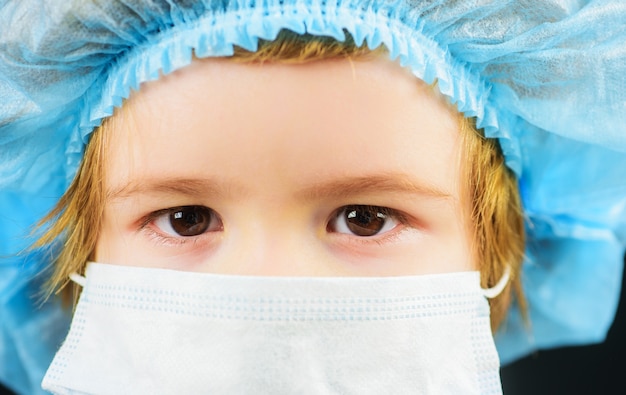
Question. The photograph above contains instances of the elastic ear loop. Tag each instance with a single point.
(499, 287)
(78, 279)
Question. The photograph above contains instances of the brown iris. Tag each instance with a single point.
(191, 220)
(364, 220)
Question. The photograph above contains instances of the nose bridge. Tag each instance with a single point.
(285, 254)
(276, 245)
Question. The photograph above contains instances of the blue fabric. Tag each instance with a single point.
(30, 331)
(546, 78)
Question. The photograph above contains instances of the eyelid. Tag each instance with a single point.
(148, 219)
(392, 212)
(397, 215)
(168, 240)
(381, 239)
(146, 224)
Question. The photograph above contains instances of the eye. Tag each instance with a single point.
(188, 221)
(363, 221)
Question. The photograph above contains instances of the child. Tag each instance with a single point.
(304, 157)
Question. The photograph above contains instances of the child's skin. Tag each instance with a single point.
(277, 151)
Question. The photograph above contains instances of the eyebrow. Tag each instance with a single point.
(344, 187)
(388, 183)
(169, 186)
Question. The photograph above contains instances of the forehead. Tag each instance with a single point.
(289, 123)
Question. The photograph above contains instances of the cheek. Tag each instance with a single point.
(441, 246)
(446, 251)
(109, 247)
(116, 245)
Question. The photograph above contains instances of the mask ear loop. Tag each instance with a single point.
(499, 287)
(78, 279)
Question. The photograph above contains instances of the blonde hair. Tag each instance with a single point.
(497, 219)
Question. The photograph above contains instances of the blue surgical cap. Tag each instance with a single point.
(546, 78)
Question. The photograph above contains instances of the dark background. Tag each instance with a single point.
(597, 369)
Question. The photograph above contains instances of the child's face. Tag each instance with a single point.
(334, 168)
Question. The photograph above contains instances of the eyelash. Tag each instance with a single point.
(379, 239)
(146, 224)
(169, 241)
(158, 237)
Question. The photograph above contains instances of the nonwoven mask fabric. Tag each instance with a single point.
(157, 331)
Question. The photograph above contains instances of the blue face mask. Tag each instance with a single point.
(157, 331)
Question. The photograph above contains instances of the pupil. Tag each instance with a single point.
(365, 220)
(190, 221)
